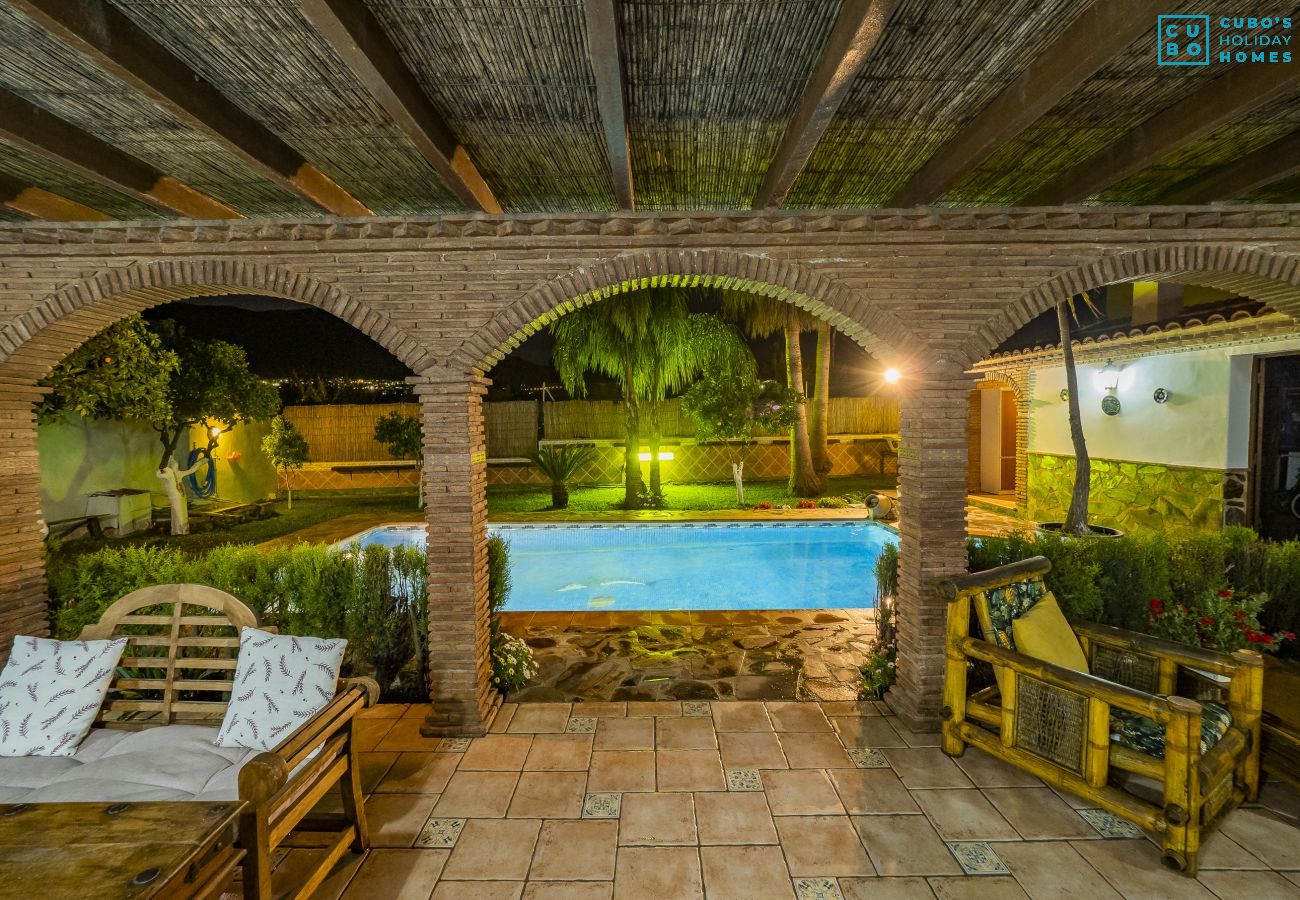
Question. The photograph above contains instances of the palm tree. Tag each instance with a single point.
(821, 406)
(652, 345)
(764, 316)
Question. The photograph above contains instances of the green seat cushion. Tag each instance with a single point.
(1148, 736)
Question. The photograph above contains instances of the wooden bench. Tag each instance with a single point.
(178, 668)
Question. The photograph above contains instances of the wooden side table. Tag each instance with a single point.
(117, 850)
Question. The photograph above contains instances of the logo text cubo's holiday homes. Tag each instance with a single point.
(1196, 40)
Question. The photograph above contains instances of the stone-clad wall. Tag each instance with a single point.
(929, 291)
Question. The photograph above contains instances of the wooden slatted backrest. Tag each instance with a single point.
(179, 661)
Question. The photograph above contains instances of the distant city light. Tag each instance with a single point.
(892, 375)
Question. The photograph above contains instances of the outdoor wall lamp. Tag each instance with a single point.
(1108, 380)
(664, 455)
(892, 376)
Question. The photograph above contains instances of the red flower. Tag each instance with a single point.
(1288, 635)
(1182, 608)
(1256, 637)
(1239, 615)
(1157, 608)
(1225, 593)
(1205, 620)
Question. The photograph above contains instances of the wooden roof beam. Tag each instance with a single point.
(1271, 163)
(357, 37)
(113, 42)
(42, 204)
(856, 32)
(606, 57)
(1093, 39)
(43, 134)
(1220, 102)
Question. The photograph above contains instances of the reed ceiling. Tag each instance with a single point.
(513, 111)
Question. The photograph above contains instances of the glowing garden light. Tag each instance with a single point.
(892, 376)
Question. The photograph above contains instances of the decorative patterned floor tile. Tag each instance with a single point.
(602, 806)
(581, 725)
(978, 858)
(744, 780)
(696, 708)
(868, 759)
(440, 833)
(817, 889)
(1109, 825)
(452, 745)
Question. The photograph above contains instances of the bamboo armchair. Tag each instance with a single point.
(178, 667)
(1062, 725)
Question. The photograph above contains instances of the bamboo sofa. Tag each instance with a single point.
(153, 739)
(1121, 736)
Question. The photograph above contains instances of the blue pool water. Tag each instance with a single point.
(702, 565)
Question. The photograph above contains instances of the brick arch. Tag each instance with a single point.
(1270, 276)
(875, 329)
(33, 343)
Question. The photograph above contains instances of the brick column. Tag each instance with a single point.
(934, 414)
(455, 492)
(24, 604)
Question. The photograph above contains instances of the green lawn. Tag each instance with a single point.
(678, 496)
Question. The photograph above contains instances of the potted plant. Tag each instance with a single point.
(559, 462)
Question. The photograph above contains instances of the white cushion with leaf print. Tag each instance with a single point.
(50, 693)
(281, 681)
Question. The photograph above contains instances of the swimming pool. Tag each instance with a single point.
(696, 565)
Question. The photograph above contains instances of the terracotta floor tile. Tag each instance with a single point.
(369, 732)
(657, 820)
(493, 850)
(621, 770)
(983, 887)
(374, 766)
(1133, 868)
(873, 732)
(689, 770)
(926, 768)
(568, 890)
(1254, 885)
(405, 735)
(482, 795)
(559, 753)
(905, 845)
(396, 819)
(478, 890)
(685, 733)
(497, 753)
(871, 791)
(1038, 814)
(885, 889)
(734, 817)
(822, 845)
(540, 718)
(1048, 870)
(396, 874)
(801, 792)
(848, 708)
(1266, 836)
(502, 719)
(654, 708)
(751, 750)
(815, 751)
(419, 773)
(383, 711)
(964, 815)
(792, 716)
(656, 873)
(625, 734)
(549, 795)
(740, 715)
(745, 873)
(600, 709)
(575, 850)
(990, 772)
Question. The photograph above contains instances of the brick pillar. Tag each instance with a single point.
(455, 490)
(934, 418)
(24, 604)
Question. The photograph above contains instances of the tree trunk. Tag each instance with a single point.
(559, 495)
(804, 481)
(633, 486)
(738, 476)
(656, 489)
(288, 488)
(1076, 519)
(821, 408)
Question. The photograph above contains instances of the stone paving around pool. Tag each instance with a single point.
(749, 801)
(801, 654)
